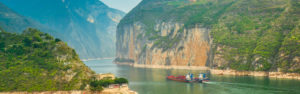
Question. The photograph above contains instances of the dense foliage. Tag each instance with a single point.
(254, 35)
(35, 61)
(97, 85)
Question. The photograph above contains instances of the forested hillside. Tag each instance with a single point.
(35, 61)
(260, 35)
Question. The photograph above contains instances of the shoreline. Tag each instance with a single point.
(105, 91)
(277, 75)
(97, 59)
(164, 67)
(120, 89)
(171, 67)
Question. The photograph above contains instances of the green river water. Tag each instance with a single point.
(153, 81)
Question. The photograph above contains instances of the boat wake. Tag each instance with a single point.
(249, 86)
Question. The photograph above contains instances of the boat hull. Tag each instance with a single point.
(182, 79)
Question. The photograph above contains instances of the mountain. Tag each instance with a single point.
(88, 26)
(245, 35)
(35, 61)
(13, 22)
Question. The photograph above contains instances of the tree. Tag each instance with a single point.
(48, 37)
(121, 81)
(57, 40)
(106, 83)
(2, 46)
(37, 37)
(27, 41)
(96, 85)
(97, 88)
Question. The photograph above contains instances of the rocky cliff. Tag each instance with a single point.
(190, 49)
(88, 26)
(255, 35)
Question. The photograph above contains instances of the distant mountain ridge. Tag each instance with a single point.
(88, 26)
(9, 18)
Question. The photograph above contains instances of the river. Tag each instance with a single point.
(153, 81)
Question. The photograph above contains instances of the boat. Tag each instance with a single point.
(182, 78)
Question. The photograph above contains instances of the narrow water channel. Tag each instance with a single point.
(153, 81)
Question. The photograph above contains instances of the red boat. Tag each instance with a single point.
(183, 79)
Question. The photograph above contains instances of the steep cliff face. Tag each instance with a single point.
(191, 49)
(252, 35)
(88, 26)
(166, 33)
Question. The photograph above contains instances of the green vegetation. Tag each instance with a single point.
(256, 30)
(97, 85)
(204, 12)
(290, 49)
(165, 42)
(259, 35)
(35, 61)
(121, 81)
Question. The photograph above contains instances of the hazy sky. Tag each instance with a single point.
(124, 5)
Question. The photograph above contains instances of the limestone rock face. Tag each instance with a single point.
(192, 49)
(219, 34)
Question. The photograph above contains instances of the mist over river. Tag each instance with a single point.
(153, 81)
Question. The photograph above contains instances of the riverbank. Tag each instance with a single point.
(117, 89)
(164, 67)
(279, 75)
(105, 91)
(97, 58)
(120, 90)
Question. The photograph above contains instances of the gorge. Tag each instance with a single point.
(33, 61)
(171, 47)
(242, 35)
(88, 26)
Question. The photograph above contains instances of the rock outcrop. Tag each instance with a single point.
(192, 49)
(242, 35)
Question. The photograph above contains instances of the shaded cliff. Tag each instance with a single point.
(11, 21)
(260, 35)
(88, 26)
